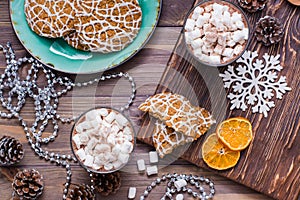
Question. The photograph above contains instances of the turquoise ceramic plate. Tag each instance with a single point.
(58, 55)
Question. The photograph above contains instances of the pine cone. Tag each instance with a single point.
(253, 5)
(11, 150)
(81, 192)
(269, 30)
(28, 184)
(107, 184)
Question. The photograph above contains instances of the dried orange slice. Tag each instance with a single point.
(217, 155)
(235, 132)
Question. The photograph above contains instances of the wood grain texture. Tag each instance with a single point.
(271, 164)
(147, 68)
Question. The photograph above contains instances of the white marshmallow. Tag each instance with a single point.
(208, 8)
(225, 59)
(218, 49)
(199, 10)
(218, 8)
(79, 128)
(99, 160)
(96, 167)
(151, 170)
(211, 37)
(180, 184)
(123, 157)
(195, 16)
(131, 193)
(91, 115)
(215, 59)
(227, 52)
(84, 138)
(76, 140)
(195, 33)
(116, 149)
(190, 24)
(126, 147)
(111, 140)
(236, 17)
(101, 148)
(226, 19)
(92, 143)
(188, 37)
(115, 128)
(110, 117)
(110, 157)
(198, 43)
(246, 33)
(85, 125)
(242, 42)
(121, 120)
(205, 58)
(238, 36)
(81, 154)
(103, 112)
(117, 164)
(206, 50)
(141, 165)
(108, 166)
(179, 197)
(201, 21)
(239, 24)
(104, 123)
(128, 137)
(153, 157)
(198, 53)
(237, 49)
(230, 43)
(105, 132)
(89, 161)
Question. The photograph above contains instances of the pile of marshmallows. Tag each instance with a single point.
(216, 33)
(103, 139)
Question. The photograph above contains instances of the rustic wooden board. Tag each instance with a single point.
(271, 164)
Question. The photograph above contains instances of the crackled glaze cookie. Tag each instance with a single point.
(106, 25)
(165, 139)
(50, 18)
(178, 113)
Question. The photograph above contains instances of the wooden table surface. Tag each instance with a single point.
(146, 68)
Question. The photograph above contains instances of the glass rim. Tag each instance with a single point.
(189, 48)
(89, 169)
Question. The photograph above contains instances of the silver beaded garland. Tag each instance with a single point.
(199, 193)
(45, 100)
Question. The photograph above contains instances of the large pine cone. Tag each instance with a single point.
(269, 30)
(107, 184)
(253, 5)
(81, 192)
(11, 150)
(28, 184)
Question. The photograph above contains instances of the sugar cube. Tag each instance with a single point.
(131, 192)
(153, 157)
(151, 170)
(141, 165)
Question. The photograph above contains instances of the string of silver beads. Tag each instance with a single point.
(46, 100)
(195, 181)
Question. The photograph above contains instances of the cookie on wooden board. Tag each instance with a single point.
(165, 139)
(50, 18)
(178, 113)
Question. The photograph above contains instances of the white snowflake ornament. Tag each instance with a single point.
(255, 82)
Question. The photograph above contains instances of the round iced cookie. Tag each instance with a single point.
(106, 25)
(50, 18)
